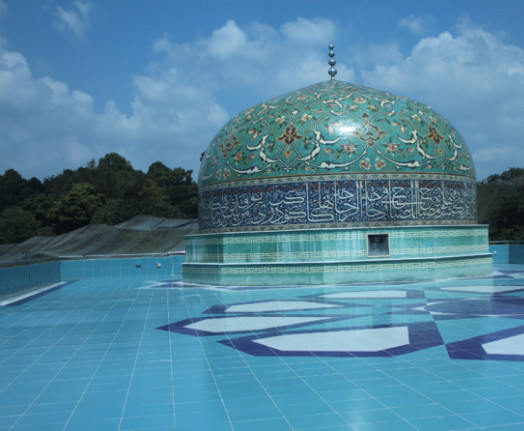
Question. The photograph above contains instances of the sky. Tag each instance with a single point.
(154, 80)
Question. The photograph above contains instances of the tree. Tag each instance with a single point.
(500, 203)
(154, 201)
(178, 185)
(112, 174)
(115, 211)
(77, 207)
(59, 184)
(41, 206)
(113, 162)
(14, 189)
(159, 173)
(16, 225)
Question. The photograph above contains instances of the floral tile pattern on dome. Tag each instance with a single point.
(334, 125)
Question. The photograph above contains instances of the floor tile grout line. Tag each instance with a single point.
(392, 409)
(170, 344)
(318, 394)
(312, 388)
(436, 375)
(267, 392)
(217, 386)
(58, 372)
(99, 362)
(462, 387)
(432, 401)
(28, 317)
(126, 398)
(48, 349)
(471, 392)
(8, 316)
(305, 382)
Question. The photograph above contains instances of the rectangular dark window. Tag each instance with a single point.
(378, 244)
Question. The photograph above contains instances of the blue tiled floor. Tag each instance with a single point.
(134, 354)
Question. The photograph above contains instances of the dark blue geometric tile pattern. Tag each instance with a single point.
(352, 321)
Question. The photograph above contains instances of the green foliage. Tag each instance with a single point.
(76, 208)
(17, 225)
(41, 206)
(109, 191)
(500, 203)
(178, 186)
(114, 211)
(14, 189)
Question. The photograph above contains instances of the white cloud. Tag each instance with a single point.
(472, 78)
(181, 100)
(228, 41)
(309, 31)
(16, 83)
(41, 118)
(75, 19)
(371, 55)
(258, 59)
(76, 153)
(176, 109)
(417, 25)
(47, 127)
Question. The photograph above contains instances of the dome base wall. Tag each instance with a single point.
(334, 256)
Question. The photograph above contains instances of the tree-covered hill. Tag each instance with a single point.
(108, 192)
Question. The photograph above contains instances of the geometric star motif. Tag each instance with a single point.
(374, 321)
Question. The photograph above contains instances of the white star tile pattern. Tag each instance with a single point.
(367, 294)
(248, 323)
(507, 346)
(276, 306)
(357, 340)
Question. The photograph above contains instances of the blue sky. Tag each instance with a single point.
(154, 80)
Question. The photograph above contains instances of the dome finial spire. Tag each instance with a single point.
(332, 71)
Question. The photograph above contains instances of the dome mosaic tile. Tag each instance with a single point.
(335, 127)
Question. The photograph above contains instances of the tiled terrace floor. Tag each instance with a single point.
(131, 354)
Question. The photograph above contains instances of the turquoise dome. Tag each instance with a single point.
(335, 154)
(335, 127)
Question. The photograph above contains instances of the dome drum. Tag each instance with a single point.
(338, 201)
